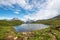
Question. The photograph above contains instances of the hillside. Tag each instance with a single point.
(7, 31)
(52, 21)
(10, 22)
(58, 17)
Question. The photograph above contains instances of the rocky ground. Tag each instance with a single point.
(47, 34)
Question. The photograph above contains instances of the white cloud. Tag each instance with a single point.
(46, 10)
(21, 3)
(51, 9)
(3, 17)
(7, 3)
(17, 11)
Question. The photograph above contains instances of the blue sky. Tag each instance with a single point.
(32, 9)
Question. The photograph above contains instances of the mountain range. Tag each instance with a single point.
(52, 21)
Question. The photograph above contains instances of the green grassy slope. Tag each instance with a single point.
(44, 34)
(52, 21)
(6, 28)
(10, 23)
(51, 33)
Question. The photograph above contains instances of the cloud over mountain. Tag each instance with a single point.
(39, 9)
(50, 8)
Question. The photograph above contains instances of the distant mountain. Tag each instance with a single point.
(52, 21)
(10, 22)
(29, 21)
(57, 17)
(15, 19)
